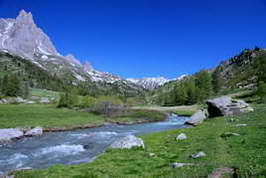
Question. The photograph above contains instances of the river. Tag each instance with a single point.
(73, 147)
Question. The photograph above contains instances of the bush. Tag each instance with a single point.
(109, 106)
(87, 102)
(68, 100)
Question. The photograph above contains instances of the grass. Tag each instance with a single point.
(245, 153)
(135, 116)
(48, 116)
(45, 93)
(180, 110)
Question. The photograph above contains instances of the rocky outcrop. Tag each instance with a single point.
(226, 106)
(198, 117)
(21, 36)
(128, 142)
(7, 135)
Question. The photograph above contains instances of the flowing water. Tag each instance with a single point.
(73, 147)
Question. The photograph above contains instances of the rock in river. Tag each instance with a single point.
(37, 131)
(9, 134)
(128, 142)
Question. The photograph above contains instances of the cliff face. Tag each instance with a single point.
(242, 70)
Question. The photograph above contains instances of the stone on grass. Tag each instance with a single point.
(226, 106)
(37, 131)
(178, 165)
(128, 142)
(151, 154)
(198, 117)
(30, 102)
(45, 101)
(7, 135)
(181, 136)
(241, 125)
(198, 155)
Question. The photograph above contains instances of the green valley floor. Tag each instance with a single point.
(246, 153)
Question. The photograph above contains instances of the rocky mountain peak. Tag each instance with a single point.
(22, 37)
(25, 17)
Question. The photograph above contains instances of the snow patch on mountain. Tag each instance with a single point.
(151, 83)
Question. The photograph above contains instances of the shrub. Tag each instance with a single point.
(87, 102)
(110, 106)
(68, 100)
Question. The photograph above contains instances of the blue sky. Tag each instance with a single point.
(145, 38)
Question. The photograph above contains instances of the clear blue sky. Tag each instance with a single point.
(143, 38)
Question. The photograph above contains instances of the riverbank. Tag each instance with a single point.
(52, 119)
(245, 153)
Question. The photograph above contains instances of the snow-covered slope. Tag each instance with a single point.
(151, 83)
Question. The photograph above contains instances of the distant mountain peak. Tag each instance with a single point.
(149, 83)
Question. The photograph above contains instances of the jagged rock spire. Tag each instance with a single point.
(25, 17)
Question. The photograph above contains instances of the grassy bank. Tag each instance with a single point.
(180, 110)
(245, 153)
(48, 116)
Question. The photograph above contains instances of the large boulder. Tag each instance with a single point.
(128, 142)
(226, 106)
(37, 131)
(198, 117)
(7, 135)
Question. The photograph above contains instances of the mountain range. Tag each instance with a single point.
(22, 37)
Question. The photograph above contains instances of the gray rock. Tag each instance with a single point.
(241, 125)
(128, 142)
(19, 100)
(198, 117)
(181, 136)
(44, 101)
(178, 165)
(152, 154)
(30, 102)
(198, 155)
(226, 106)
(37, 131)
(7, 135)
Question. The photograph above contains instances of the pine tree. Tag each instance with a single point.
(11, 86)
(217, 82)
(204, 83)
